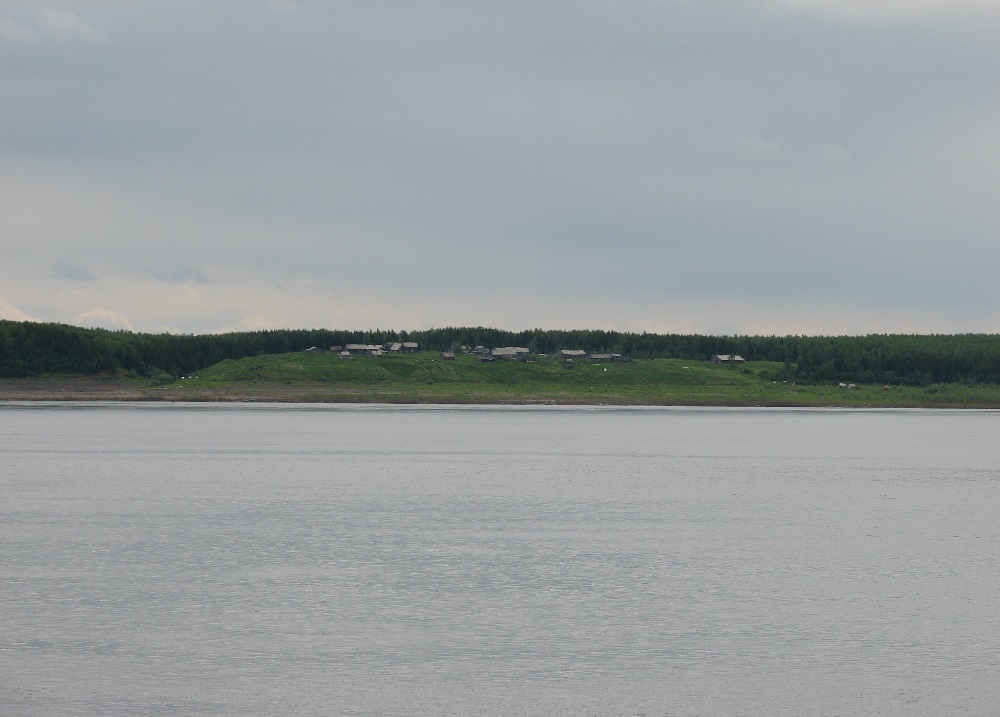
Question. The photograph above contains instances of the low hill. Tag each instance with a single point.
(426, 377)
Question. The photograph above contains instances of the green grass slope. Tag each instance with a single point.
(425, 377)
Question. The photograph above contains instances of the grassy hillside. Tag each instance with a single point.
(425, 377)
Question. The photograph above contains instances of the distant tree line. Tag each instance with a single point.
(34, 349)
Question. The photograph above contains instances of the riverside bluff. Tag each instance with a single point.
(427, 377)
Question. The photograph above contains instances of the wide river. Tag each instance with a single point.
(374, 560)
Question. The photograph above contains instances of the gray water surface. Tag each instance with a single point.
(360, 560)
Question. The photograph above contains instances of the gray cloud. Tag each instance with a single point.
(71, 271)
(581, 155)
(28, 22)
(62, 23)
(178, 273)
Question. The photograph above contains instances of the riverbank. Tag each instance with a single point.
(297, 378)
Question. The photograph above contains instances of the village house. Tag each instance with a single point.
(511, 353)
(602, 358)
(374, 350)
(728, 358)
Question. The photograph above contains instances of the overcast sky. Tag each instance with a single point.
(709, 166)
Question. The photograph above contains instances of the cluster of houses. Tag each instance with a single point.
(507, 353)
(373, 350)
(577, 355)
(519, 353)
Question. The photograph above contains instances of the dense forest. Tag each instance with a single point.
(35, 349)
